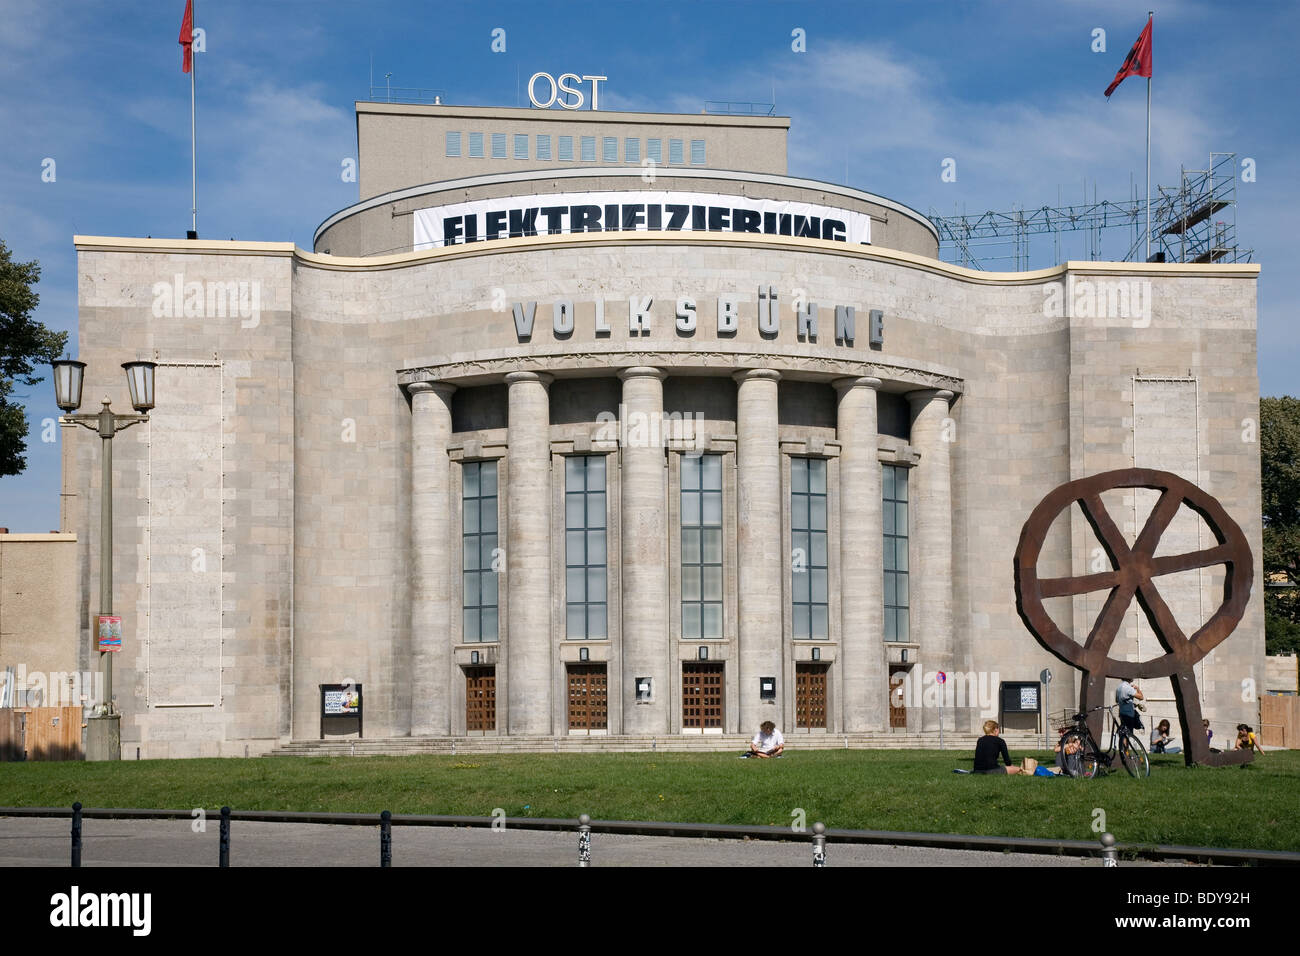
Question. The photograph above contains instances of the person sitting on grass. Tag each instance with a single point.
(1246, 739)
(768, 742)
(1161, 742)
(987, 750)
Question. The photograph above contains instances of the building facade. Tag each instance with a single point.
(543, 439)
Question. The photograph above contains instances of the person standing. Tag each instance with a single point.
(1126, 695)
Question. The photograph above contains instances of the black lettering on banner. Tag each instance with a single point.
(633, 216)
(554, 216)
(807, 227)
(450, 230)
(496, 222)
(745, 220)
(523, 222)
(697, 219)
(834, 229)
(678, 216)
(769, 223)
(654, 217)
(611, 218)
(719, 218)
(785, 224)
(471, 228)
(584, 219)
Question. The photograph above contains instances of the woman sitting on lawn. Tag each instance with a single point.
(987, 750)
(1161, 742)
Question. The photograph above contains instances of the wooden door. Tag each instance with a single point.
(702, 696)
(480, 699)
(588, 697)
(810, 696)
(897, 698)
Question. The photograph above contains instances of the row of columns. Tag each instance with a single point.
(528, 647)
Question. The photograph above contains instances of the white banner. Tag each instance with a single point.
(638, 210)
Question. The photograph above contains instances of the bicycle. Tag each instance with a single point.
(1082, 757)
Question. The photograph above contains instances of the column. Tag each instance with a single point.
(434, 625)
(760, 545)
(644, 573)
(930, 493)
(862, 649)
(528, 554)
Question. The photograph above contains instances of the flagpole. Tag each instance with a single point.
(194, 168)
(1150, 16)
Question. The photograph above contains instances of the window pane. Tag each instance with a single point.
(544, 146)
(690, 547)
(690, 584)
(469, 557)
(818, 630)
(712, 508)
(697, 152)
(521, 145)
(674, 151)
(573, 474)
(654, 150)
(574, 552)
(690, 472)
(690, 622)
(596, 473)
(476, 145)
(799, 475)
(901, 589)
(890, 577)
(487, 514)
(887, 481)
(471, 631)
(900, 553)
(576, 585)
(889, 554)
(453, 144)
(566, 149)
(817, 476)
(573, 511)
(489, 626)
(800, 586)
(887, 518)
(596, 621)
(588, 149)
(712, 472)
(818, 576)
(596, 547)
(900, 485)
(469, 514)
(800, 622)
(690, 509)
(469, 477)
(609, 146)
(711, 583)
(596, 510)
(498, 145)
(596, 584)
(900, 517)
(711, 627)
(488, 478)
(817, 520)
(712, 547)
(799, 511)
(903, 627)
(487, 584)
(632, 150)
(471, 589)
(891, 624)
(800, 549)
(577, 621)
(487, 545)
(818, 554)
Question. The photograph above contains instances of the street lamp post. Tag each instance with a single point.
(104, 734)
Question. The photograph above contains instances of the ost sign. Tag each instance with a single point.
(561, 91)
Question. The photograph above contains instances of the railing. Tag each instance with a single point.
(406, 94)
(1108, 852)
(731, 108)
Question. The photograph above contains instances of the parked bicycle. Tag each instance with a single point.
(1081, 756)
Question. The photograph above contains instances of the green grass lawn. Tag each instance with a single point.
(1255, 807)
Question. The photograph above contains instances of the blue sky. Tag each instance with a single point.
(1012, 91)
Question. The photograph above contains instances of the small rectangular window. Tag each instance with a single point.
(697, 152)
(475, 145)
(544, 146)
(521, 145)
(609, 146)
(453, 143)
(566, 149)
(675, 152)
(498, 145)
(654, 150)
(588, 149)
(632, 149)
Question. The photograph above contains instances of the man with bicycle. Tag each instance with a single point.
(1125, 695)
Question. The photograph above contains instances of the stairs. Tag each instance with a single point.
(1017, 742)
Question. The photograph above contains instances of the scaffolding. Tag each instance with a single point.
(1193, 222)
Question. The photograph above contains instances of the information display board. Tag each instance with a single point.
(340, 701)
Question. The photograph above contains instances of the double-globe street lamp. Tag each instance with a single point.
(103, 730)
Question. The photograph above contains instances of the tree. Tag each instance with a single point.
(1279, 453)
(24, 345)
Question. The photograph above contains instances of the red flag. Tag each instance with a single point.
(1138, 61)
(187, 38)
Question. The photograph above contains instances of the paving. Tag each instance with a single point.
(40, 841)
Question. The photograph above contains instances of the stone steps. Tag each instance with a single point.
(683, 743)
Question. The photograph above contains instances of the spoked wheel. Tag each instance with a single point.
(1133, 755)
(1077, 758)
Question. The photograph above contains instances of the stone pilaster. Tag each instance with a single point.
(930, 513)
(434, 628)
(527, 645)
(760, 545)
(862, 658)
(644, 572)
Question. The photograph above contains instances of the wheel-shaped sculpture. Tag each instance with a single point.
(1133, 574)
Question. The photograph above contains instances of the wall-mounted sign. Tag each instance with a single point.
(341, 700)
(633, 211)
(1020, 697)
(558, 90)
(108, 631)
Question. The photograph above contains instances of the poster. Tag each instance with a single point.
(109, 632)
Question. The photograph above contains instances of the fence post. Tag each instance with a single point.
(819, 844)
(223, 853)
(76, 833)
(386, 838)
(584, 840)
(1109, 855)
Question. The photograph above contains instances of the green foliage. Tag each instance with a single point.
(1279, 451)
(908, 790)
(24, 345)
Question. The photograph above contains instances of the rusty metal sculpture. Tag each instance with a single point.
(1132, 575)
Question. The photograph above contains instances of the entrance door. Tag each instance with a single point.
(588, 697)
(480, 699)
(897, 698)
(702, 696)
(810, 696)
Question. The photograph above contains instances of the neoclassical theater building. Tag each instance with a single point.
(596, 423)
